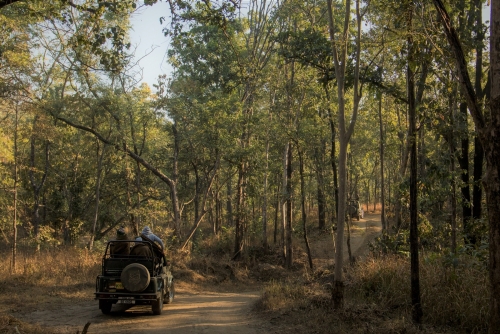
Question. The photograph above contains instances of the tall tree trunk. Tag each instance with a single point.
(477, 192)
(283, 203)
(133, 221)
(382, 181)
(173, 185)
(289, 216)
(349, 250)
(303, 206)
(229, 203)
(333, 157)
(415, 274)
(97, 194)
(333, 152)
(453, 152)
(276, 210)
(14, 222)
(339, 53)
(239, 219)
(490, 139)
(218, 207)
(464, 166)
(264, 200)
(321, 187)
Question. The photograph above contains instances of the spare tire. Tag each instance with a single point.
(135, 277)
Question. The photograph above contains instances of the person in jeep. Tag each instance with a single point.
(120, 248)
(149, 234)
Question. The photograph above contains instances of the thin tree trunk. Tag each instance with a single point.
(477, 192)
(303, 205)
(464, 166)
(276, 210)
(453, 149)
(229, 204)
(14, 223)
(288, 236)
(333, 154)
(415, 273)
(320, 188)
(97, 194)
(382, 181)
(349, 252)
(264, 200)
(283, 203)
(332, 151)
(239, 223)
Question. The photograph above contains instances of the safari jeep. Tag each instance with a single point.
(136, 273)
(354, 209)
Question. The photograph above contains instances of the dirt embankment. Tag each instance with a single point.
(191, 312)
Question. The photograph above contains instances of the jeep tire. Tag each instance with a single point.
(157, 305)
(105, 306)
(135, 277)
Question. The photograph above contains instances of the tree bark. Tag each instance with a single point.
(239, 219)
(14, 222)
(477, 190)
(303, 206)
(321, 187)
(415, 274)
(288, 231)
(264, 200)
(382, 180)
(97, 194)
(465, 189)
(283, 203)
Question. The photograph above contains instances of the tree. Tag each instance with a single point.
(488, 132)
(415, 272)
(339, 51)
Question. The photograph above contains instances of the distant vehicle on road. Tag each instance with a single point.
(355, 210)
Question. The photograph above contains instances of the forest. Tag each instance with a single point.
(277, 116)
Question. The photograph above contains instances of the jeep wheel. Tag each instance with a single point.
(169, 297)
(157, 306)
(105, 306)
(135, 277)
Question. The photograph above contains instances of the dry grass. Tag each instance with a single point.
(45, 277)
(11, 325)
(451, 297)
(377, 299)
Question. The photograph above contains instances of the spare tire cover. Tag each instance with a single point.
(135, 277)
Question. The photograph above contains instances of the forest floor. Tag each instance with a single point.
(197, 308)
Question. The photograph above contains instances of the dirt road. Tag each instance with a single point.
(190, 313)
(195, 313)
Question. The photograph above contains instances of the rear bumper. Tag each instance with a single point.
(127, 298)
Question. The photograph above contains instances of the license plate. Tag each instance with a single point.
(126, 301)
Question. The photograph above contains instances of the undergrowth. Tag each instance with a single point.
(377, 298)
